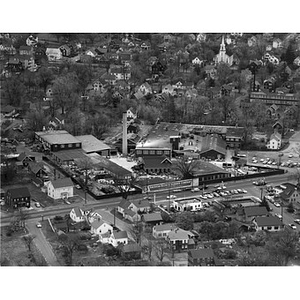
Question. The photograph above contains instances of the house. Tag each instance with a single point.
(251, 212)
(53, 53)
(18, 197)
(25, 50)
(297, 61)
(145, 46)
(91, 52)
(124, 204)
(145, 89)
(131, 215)
(110, 79)
(180, 239)
(131, 114)
(278, 126)
(161, 231)
(275, 141)
(100, 227)
(133, 128)
(213, 147)
(37, 169)
(118, 237)
(140, 206)
(56, 123)
(156, 164)
(24, 159)
(252, 41)
(151, 219)
(210, 71)
(77, 215)
(234, 137)
(291, 193)
(190, 204)
(197, 61)
(277, 43)
(60, 188)
(131, 251)
(201, 257)
(269, 223)
(65, 50)
(8, 111)
(201, 37)
(31, 41)
(120, 73)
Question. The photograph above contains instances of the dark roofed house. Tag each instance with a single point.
(213, 147)
(234, 137)
(251, 212)
(140, 205)
(118, 237)
(270, 223)
(152, 218)
(157, 164)
(201, 257)
(132, 251)
(291, 193)
(18, 197)
(124, 204)
(37, 169)
(24, 158)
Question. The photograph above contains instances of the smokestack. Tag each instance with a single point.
(124, 139)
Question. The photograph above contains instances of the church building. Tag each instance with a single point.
(222, 56)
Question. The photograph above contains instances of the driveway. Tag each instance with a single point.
(41, 243)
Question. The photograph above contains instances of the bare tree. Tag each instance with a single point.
(185, 168)
(28, 239)
(160, 247)
(124, 185)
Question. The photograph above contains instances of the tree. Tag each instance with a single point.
(185, 168)
(283, 246)
(223, 73)
(69, 243)
(160, 247)
(45, 77)
(36, 120)
(185, 220)
(206, 229)
(64, 91)
(28, 239)
(124, 185)
(14, 90)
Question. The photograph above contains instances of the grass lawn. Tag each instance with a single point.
(15, 252)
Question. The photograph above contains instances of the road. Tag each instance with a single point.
(159, 197)
(41, 243)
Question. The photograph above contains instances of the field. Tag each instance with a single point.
(14, 251)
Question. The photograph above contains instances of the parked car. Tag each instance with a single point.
(38, 225)
(293, 226)
(171, 197)
(297, 221)
(277, 204)
(278, 216)
(37, 204)
(195, 190)
(78, 186)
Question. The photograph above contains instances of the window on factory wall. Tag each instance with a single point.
(70, 145)
(152, 152)
(159, 152)
(146, 152)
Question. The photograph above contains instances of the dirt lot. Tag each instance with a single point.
(15, 253)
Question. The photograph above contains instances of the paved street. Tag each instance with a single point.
(41, 243)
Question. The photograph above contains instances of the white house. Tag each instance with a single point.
(145, 89)
(139, 206)
(161, 231)
(100, 227)
(77, 215)
(60, 188)
(197, 61)
(192, 205)
(168, 89)
(275, 141)
(53, 54)
(130, 114)
(270, 223)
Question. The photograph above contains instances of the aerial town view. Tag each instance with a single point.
(150, 149)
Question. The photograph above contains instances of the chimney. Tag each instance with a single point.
(124, 138)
